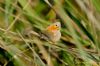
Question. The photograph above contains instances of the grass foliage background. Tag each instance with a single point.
(21, 20)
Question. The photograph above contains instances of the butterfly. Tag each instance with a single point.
(52, 32)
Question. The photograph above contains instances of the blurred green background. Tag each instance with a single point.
(21, 21)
